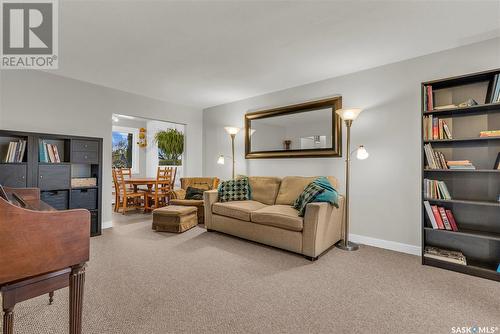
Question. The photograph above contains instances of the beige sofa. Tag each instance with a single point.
(269, 217)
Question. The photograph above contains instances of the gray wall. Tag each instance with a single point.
(386, 187)
(42, 102)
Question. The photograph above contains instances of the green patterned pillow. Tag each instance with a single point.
(308, 195)
(234, 190)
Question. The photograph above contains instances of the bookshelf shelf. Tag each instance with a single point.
(478, 269)
(482, 108)
(461, 201)
(474, 191)
(461, 140)
(462, 170)
(468, 233)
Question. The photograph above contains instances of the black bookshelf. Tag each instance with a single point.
(474, 193)
(79, 156)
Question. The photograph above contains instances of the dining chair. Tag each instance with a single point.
(164, 184)
(126, 199)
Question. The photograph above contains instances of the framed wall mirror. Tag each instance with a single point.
(310, 129)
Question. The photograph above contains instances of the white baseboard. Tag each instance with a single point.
(386, 244)
(107, 224)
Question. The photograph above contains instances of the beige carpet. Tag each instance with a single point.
(139, 281)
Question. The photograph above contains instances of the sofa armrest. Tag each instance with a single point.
(322, 227)
(209, 197)
(178, 194)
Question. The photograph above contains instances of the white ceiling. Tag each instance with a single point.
(203, 53)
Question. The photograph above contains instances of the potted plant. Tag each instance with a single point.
(170, 147)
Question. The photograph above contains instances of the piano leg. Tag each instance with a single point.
(76, 284)
(8, 321)
(51, 297)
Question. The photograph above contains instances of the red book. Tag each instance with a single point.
(451, 218)
(435, 128)
(430, 102)
(436, 214)
(446, 222)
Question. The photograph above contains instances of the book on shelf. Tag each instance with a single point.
(489, 133)
(447, 106)
(445, 255)
(435, 159)
(493, 93)
(461, 165)
(444, 218)
(497, 162)
(429, 98)
(430, 215)
(48, 153)
(435, 129)
(15, 152)
(435, 189)
(451, 219)
(440, 217)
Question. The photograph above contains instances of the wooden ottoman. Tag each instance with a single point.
(175, 218)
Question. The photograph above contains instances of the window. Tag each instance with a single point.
(125, 151)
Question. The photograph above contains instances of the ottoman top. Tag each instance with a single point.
(175, 210)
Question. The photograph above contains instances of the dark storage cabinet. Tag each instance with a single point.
(94, 222)
(54, 177)
(84, 146)
(58, 199)
(80, 157)
(84, 199)
(85, 151)
(84, 157)
(13, 175)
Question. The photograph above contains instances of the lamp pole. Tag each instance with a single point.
(345, 244)
(232, 152)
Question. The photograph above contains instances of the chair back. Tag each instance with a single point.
(165, 178)
(204, 183)
(119, 179)
(127, 172)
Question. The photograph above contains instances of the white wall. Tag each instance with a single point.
(42, 102)
(386, 187)
(152, 161)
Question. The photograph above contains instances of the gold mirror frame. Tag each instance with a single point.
(336, 149)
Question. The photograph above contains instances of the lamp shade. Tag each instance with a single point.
(232, 130)
(349, 114)
(220, 160)
(362, 153)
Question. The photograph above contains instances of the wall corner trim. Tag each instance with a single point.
(386, 244)
(108, 224)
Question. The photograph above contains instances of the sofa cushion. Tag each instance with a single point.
(292, 186)
(264, 188)
(282, 216)
(237, 209)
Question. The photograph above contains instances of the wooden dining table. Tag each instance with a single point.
(141, 181)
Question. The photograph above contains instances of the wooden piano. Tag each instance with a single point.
(41, 250)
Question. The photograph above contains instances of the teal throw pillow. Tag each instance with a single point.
(307, 196)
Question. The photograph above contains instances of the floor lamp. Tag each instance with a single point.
(349, 115)
(232, 131)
